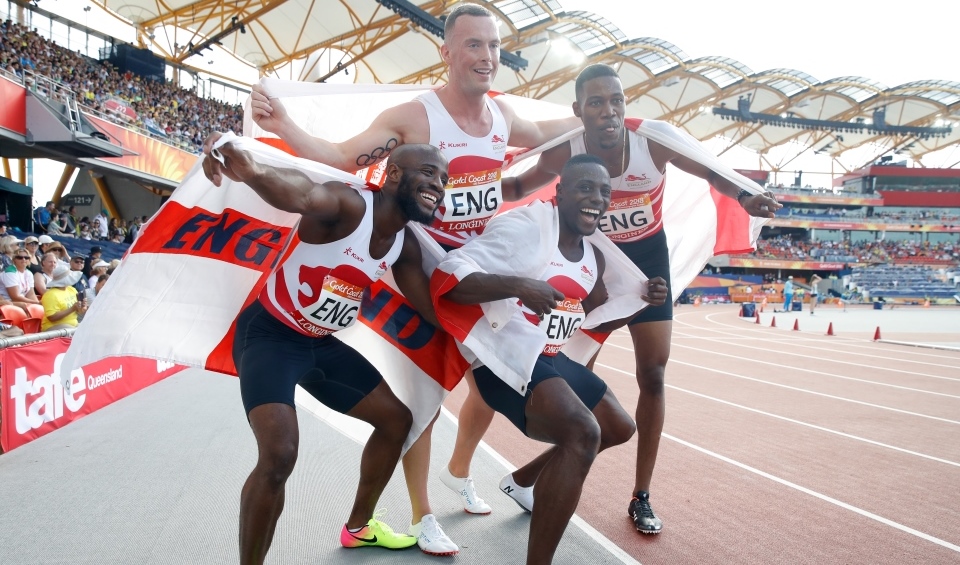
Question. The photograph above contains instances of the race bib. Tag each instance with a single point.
(335, 309)
(561, 324)
(470, 200)
(628, 217)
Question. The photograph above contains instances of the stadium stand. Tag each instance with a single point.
(160, 110)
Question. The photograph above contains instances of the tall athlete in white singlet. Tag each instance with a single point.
(345, 240)
(635, 222)
(471, 49)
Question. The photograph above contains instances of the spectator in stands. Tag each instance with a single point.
(72, 220)
(3, 229)
(102, 280)
(135, 226)
(77, 264)
(9, 244)
(41, 278)
(788, 294)
(56, 226)
(95, 252)
(45, 242)
(59, 250)
(32, 244)
(84, 231)
(96, 270)
(61, 305)
(42, 216)
(16, 282)
(100, 226)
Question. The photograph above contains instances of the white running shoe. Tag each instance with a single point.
(523, 496)
(472, 504)
(431, 539)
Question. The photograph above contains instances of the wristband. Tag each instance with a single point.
(743, 192)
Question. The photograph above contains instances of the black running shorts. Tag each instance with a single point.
(504, 399)
(272, 359)
(652, 256)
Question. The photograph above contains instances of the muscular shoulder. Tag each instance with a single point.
(409, 120)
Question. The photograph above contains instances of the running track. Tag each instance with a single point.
(782, 446)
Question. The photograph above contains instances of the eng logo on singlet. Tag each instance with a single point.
(561, 324)
(336, 308)
(627, 217)
(469, 197)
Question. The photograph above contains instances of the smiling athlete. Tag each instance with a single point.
(346, 239)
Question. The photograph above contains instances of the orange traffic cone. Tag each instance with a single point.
(758, 318)
(926, 303)
(796, 325)
(830, 329)
(740, 313)
(876, 334)
(773, 322)
(764, 303)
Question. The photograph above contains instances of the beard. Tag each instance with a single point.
(409, 202)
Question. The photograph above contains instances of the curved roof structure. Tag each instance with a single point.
(660, 80)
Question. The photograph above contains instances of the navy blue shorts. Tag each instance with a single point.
(272, 359)
(504, 399)
(652, 256)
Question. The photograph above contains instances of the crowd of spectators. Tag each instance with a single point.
(43, 287)
(160, 109)
(885, 251)
(49, 220)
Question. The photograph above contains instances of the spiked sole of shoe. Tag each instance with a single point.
(478, 513)
(440, 553)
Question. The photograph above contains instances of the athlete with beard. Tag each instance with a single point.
(562, 403)
(473, 130)
(635, 223)
(345, 241)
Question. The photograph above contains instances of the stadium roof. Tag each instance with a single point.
(660, 80)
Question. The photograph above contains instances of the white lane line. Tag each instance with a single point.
(815, 372)
(782, 352)
(592, 532)
(823, 394)
(848, 342)
(825, 498)
(805, 424)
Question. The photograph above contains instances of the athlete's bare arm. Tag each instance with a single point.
(759, 205)
(477, 288)
(547, 169)
(412, 281)
(524, 133)
(290, 190)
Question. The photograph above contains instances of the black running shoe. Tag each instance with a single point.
(642, 515)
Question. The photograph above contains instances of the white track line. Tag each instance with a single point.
(711, 369)
(781, 366)
(825, 498)
(792, 421)
(848, 341)
(878, 383)
(828, 350)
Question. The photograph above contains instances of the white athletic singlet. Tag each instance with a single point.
(473, 193)
(318, 288)
(637, 196)
(575, 279)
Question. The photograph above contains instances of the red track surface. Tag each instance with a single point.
(782, 447)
